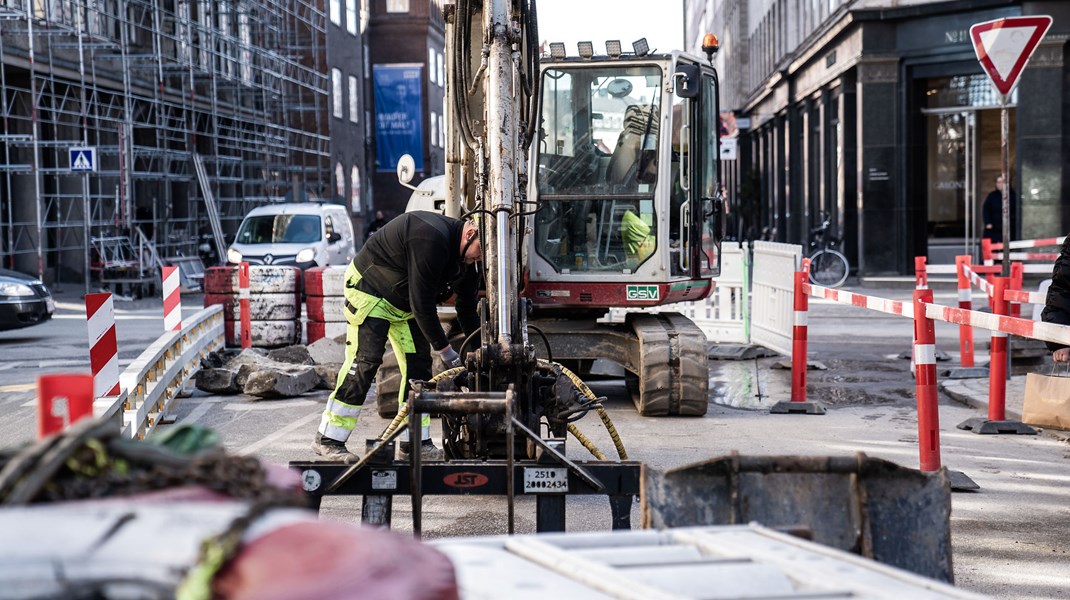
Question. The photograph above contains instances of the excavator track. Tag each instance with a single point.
(672, 366)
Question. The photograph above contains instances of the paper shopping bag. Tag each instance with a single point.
(1047, 401)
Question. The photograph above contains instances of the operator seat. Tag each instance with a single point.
(624, 163)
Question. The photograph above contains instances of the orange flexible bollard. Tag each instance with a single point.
(926, 392)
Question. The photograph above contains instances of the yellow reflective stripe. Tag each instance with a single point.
(337, 407)
(349, 423)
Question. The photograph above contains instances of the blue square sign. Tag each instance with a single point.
(83, 159)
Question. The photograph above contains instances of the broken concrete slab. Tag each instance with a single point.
(738, 352)
(217, 381)
(281, 383)
(294, 355)
(327, 351)
(965, 372)
(811, 365)
(328, 375)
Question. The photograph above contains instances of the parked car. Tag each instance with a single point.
(303, 235)
(24, 301)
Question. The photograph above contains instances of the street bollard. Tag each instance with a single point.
(801, 302)
(965, 302)
(62, 400)
(925, 359)
(243, 301)
(997, 363)
(921, 275)
(103, 345)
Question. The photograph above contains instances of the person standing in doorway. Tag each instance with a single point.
(992, 212)
(376, 224)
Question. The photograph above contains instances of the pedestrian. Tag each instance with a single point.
(992, 212)
(1057, 304)
(392, 289)
(376, 224)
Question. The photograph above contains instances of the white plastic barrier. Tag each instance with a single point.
(152, 380)
(722, 315)
(772, 308)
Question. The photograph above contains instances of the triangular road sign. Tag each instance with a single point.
(1004, 46)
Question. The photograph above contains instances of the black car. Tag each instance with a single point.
(24, 301)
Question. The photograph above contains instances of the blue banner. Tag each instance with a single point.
(399, 126)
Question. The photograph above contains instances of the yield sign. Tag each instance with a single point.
(1004, 46)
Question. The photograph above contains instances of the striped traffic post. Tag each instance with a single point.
(921, 275)
(925, 382)
(1017, 275)
(798, 403)
(965, 302)
(997, 370)
(103, 348)
(243, 301)
(172, 299)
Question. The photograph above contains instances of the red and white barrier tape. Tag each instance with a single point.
(893, 307)
(1038, 243)
(172, 300)
(1048, 332)
(1023, 256)
(981, 283)
(1022, 297)
(103, 346)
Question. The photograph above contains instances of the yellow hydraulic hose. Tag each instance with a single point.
(403, 411)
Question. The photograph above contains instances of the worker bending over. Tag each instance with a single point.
(392, 290)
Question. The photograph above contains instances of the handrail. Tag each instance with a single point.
(151, 382)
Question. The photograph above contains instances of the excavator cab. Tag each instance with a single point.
(626, 183)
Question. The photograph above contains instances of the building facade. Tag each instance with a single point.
(877, 114)
(406, 40)
(194, 112)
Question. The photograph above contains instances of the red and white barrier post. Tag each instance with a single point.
(925, 359)
(172, 299)
(1017, 275)
(62, 400)
(798, 403)
(244, 309)
(966, 302)
(997, 363)
(103, 347)
(921, 275)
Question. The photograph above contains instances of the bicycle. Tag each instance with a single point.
(828, 266)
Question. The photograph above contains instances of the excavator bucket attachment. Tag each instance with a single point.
(867, 506)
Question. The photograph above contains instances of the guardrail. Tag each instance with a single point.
(150, 383)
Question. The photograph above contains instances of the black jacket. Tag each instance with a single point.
(992, 213)
(1057, 304)
(414, 261)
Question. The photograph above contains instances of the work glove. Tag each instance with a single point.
(450, 357)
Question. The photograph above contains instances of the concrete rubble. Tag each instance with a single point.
(281, 373)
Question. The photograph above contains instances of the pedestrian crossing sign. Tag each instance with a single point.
(84, 159)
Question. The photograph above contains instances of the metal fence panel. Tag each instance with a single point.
(772, 311)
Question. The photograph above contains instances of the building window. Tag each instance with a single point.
(442, 131)
(353, 108)
(354, 190)
(434, 129)
(336, 12)
(440, 62)
(397, 6)
(351, 16)
(431, 65)
(336, 87)
(340, 180)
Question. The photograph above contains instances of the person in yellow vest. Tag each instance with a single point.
(392, 290)
(639, 243)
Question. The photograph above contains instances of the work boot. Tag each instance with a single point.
(428, 451)
(333, 450)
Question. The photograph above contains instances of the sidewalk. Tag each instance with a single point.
(974, 392)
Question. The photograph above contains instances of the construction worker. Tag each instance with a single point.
(392, 290)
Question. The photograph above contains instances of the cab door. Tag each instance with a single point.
(707, 202)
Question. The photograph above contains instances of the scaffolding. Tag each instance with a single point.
(156, 87)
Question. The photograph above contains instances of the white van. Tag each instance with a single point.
(304, 235)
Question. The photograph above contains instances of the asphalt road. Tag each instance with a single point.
(1011, 538)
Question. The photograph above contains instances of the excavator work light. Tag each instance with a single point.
(641, 47)
(586, 49)
(613, 48)
(557, 50)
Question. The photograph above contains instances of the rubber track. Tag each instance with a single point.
(674, 374)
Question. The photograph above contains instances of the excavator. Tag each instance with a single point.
(594, 179)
